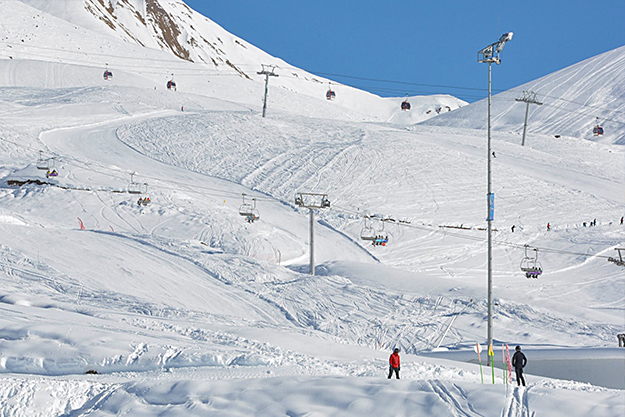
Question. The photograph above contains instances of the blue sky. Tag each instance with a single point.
(430, 43)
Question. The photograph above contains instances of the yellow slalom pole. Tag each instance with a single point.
(492, 360)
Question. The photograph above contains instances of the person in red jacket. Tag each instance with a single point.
(394, 364)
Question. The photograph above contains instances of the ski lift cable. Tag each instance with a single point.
(122, 175)
(582, 104)
(185, 64)
(583, 113)
(477, 239)
(404, 223)
(204, 72)
(222, 193)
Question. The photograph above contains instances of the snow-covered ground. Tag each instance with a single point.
(184, 308)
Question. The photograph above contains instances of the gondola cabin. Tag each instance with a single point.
(108, 75)
(405, 105)
(171, 85)
(330, 95)
(597, 130)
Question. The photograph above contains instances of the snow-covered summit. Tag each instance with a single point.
(168, 25)
(573, 100)
(175, 41)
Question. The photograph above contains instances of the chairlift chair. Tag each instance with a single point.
(367, 232)
(135, 187)
(145, 197)
(380, 240)
(381, 237)
(249, 211)
(530, 265)
(43, 164)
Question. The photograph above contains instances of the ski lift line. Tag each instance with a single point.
(107, 172)
(172, 63)
(476, 239)
(326, 74)
(221, 194)
(583, 113)
(582, 104)
(199, 73)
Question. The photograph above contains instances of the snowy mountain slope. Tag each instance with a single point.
(572, 100)
(149, 295)
(179, 209)
(186, 309)
(224, 66)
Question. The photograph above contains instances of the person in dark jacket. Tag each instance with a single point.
(519, 361)
(394, 364)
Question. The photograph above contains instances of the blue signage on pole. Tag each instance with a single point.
(491, 207)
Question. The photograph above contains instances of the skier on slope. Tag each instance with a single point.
(394, 364)
(519, 361)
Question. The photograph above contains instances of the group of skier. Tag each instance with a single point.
(585, 224)
(518, 363)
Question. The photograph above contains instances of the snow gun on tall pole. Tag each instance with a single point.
(488, 55)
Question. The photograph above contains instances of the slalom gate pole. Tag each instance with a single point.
(509, 363)
(505, 366)
(479, 359)
(492, 360)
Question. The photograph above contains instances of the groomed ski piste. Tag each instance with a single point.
(185, 309)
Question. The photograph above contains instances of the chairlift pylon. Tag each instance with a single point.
(530, 265)
(249, 211)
